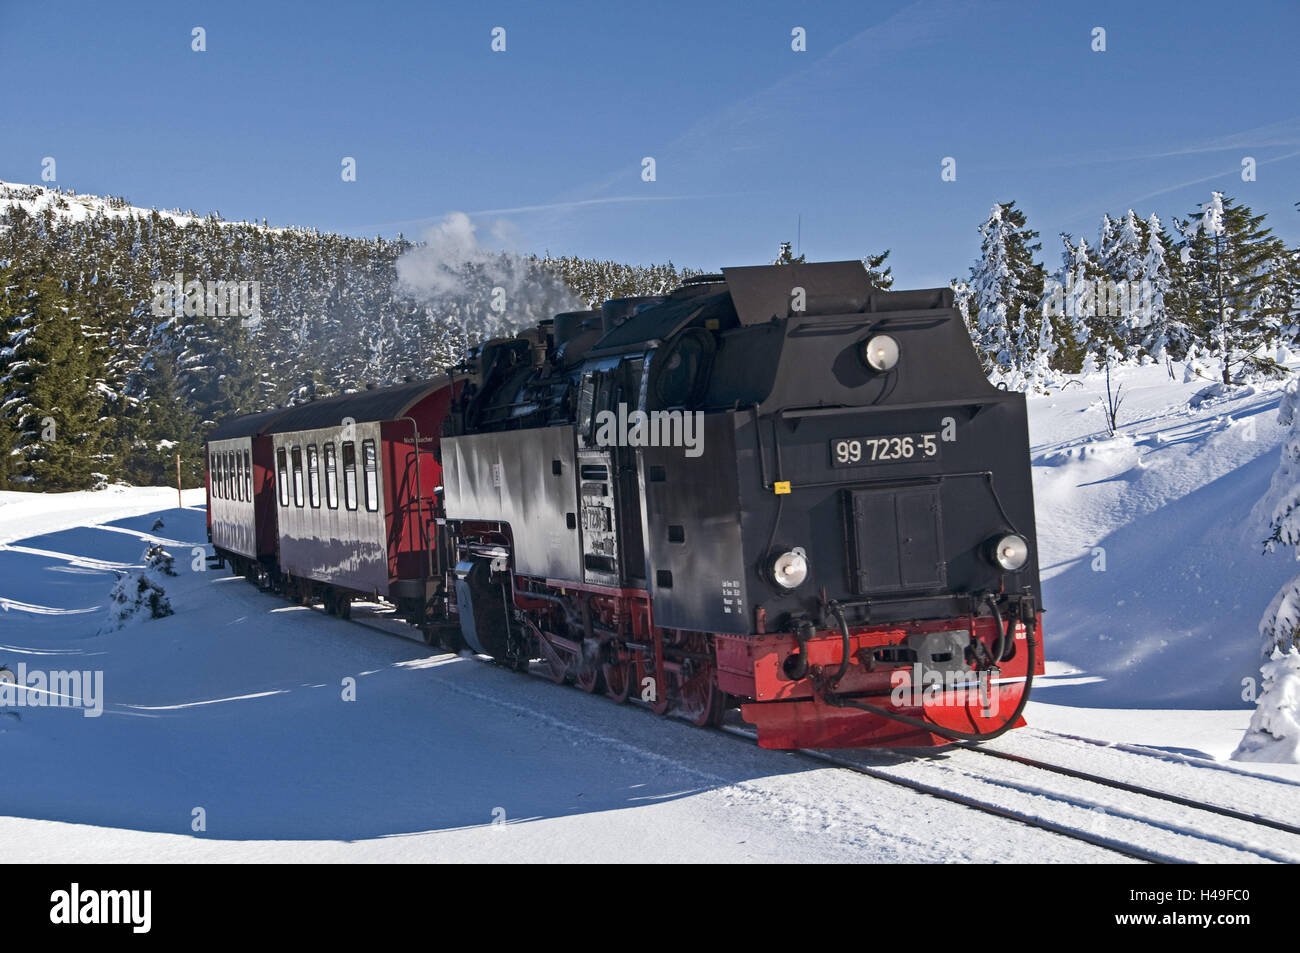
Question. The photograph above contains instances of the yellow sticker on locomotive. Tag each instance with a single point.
(781, 487)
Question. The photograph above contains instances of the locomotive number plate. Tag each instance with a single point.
(903, 448)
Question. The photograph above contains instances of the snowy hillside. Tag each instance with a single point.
(1153, 575)
(177, 322)
(72, 206)
(225, 732)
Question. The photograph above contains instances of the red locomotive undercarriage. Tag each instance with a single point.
(705, 673)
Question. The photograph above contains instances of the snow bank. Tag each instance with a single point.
(1219, 393)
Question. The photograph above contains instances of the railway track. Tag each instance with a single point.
(1019, 817)
(1138, 789)
(937, 768)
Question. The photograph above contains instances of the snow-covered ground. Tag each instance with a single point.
(227, 732)
(1154, 575)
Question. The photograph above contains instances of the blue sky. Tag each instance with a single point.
(543, 143)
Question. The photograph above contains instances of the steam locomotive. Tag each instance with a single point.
(779, 487)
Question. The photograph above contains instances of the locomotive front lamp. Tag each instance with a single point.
(790, 569)
(1011, 552)
(881, 352)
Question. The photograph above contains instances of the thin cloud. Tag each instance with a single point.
(1137, 200)
(607, 200)
(1210, 178)
(433, 220)
(906, 30)
(1285, 132)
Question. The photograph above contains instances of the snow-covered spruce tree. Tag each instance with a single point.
(51, 378)
(1125, 267)
(133, 598)
(1274, 732)
(878, 273)
(1008, 287)
(1164, 332)
(8, 308)
(787, 257)
(1099, 275)
(138, 595)
(162, 425)
(1040, 372)
(1105, 243)
(596, 281)
(1228, 255)
(1070, 303)
(1280, 626)
(1279, 301)
(963, 296)
(158, 561)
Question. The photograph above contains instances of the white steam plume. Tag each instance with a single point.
(488, 292)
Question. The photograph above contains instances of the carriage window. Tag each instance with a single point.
(213, 479)
(239, 474)
(313, 476)
(350, 475)
(225, 478)
(282, 475)
(248, 477)
(295, 460)
(331, 478)
(372, 474)
(230, 474)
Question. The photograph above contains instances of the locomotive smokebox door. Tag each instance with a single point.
(482, 604)
(895, 538)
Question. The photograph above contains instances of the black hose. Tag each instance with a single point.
(799, 669)
(1008, 639)
(844, 636)
(999, 646)
(951, 733)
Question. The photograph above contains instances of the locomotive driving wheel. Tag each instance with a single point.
(654, 684)
(588, 672)
(618, 680)
(700, 701)
(590, 677)
(652, 679)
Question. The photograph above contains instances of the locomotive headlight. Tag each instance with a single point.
(1011, 552)
(880, 352)
(790, 569)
